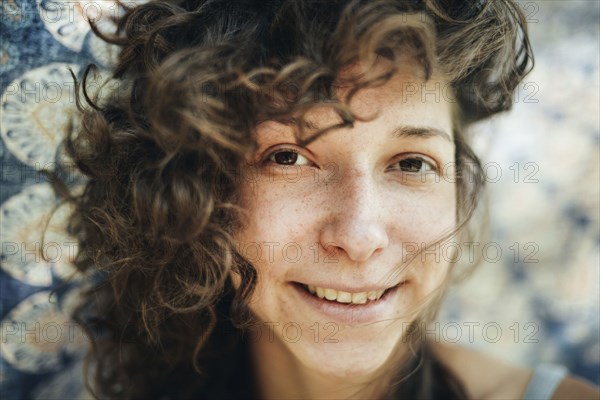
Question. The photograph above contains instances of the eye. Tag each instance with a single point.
(287, 157)
(415, 165)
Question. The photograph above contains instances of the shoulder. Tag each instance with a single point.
(487, 377)
(573, 387)
(484, 376)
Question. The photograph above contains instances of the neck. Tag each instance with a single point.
(280, 375)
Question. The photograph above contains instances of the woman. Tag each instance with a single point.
(266, 186)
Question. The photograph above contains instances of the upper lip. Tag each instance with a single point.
(352, 289)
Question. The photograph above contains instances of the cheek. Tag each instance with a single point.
(274, 211)
(425, 217)
(276, 225)
(425, 256)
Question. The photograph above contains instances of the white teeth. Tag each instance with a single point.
(331, 294)
(359, 298)
(345, 297)
(320, 292)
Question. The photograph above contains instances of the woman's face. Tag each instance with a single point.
(341, 217)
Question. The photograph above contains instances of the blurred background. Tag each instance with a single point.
(534, 299)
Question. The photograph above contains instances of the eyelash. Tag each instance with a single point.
(268, 158)
(432, 164)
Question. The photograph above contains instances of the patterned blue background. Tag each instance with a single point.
(536, 301)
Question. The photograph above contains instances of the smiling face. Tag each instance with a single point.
(340, 218)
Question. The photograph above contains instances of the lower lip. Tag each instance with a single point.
(348, 313)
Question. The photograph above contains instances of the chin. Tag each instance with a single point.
(347, 359)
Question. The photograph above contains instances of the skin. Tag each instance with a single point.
(346, 211)
(507, 381)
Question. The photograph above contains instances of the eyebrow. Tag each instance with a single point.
(399, 132)
(295, 121)
(422, 132)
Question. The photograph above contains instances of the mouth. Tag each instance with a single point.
(343, 297)
(350, 308)
(347, 298)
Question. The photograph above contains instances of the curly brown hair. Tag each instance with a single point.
(165, 155)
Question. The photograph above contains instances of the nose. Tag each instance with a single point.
(355, 223)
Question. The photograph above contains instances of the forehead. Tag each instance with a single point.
(406, 99)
